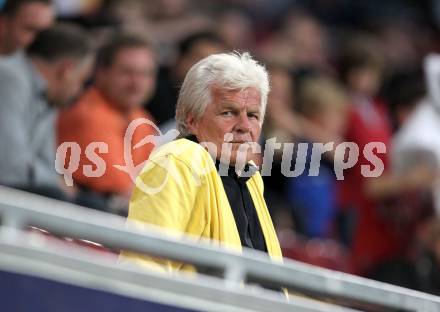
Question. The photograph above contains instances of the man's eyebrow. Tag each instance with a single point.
(229, 105)
(254, 109)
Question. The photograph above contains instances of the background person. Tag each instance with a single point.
(32, 87)
(382, 224)
(314, 198)
(21, 21)
(124, 80)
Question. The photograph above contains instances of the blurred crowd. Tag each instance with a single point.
(76, 73)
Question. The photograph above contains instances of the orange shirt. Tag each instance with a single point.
(94, 119)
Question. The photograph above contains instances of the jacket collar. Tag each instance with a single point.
(229, 170)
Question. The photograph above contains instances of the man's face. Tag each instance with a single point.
(69, 79)
(131, 79)
(234, 112)
(20, 30)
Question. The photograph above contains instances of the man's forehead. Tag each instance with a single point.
(126, 54)
(250, 95)
(37, 15)
(32, 7)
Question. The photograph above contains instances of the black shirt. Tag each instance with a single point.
(243, 209)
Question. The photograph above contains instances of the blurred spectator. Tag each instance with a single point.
(417, 141)
(33, 86)
(235, 29)
(127, 13)
(124, 80)
(361, 66)
(300, 43)
(191, 50)
(166, 21)
(21, 21)
(68, 8)
(324, 103)
(403, 91)
(308, 38)
(398, 40)
(380, 234)
(281, 123)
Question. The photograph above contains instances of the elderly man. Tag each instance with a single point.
(21, 21)
(201, 184)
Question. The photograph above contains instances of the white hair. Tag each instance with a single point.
(230, 71)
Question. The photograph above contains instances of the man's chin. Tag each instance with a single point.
(62, 103)
(238, 159)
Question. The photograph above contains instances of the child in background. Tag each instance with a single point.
(323, 103)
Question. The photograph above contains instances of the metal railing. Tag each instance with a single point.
(19, 209)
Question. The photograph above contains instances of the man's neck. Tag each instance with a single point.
(5, 50)
(123, 110)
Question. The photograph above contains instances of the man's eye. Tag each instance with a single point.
(227, 113)
(254, 116)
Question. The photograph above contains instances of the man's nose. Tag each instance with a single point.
(243, 123)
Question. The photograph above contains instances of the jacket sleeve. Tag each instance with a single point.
(165, 195)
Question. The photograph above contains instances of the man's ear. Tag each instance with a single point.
(192, 123)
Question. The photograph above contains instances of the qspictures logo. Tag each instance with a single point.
(345, 155)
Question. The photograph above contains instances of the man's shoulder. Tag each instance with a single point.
(190, 154)
(13, 69)
(182, 149)
(91, 111)
(15, 85)
(91, 100)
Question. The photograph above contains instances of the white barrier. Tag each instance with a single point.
(19, 209)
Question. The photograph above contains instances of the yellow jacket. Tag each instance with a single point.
(180, 189)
